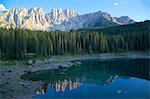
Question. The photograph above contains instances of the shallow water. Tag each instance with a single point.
(111, 79)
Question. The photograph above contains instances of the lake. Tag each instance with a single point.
(105, 79)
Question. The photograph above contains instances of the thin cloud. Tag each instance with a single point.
(119, 3)
(2, 7)
(116, 4)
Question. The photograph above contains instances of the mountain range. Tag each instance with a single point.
(57, 19)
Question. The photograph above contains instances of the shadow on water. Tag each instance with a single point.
(92, 73)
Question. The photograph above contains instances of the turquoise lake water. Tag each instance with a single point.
(96, 79)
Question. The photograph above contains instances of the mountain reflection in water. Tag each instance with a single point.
(96, 78)
(58, 86)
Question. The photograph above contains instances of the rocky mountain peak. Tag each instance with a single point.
(125, 20)
(57, 16)
(70, 13)
(56, 19)
(36, 10)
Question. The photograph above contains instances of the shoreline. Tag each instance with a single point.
(12, 86)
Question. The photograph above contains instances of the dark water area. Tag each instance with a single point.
(96, 79)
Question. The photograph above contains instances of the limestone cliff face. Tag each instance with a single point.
(35, 18)
(57, 19)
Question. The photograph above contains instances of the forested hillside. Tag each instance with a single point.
(130, 28)
(16, 43)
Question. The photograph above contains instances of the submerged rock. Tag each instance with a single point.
(77, 63)
(28, 72)
(61, 67)
(29, 62)
(9, 71)
(22, 83)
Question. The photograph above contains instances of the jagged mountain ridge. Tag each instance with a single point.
(57, 19)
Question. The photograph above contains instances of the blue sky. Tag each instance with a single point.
(138, 10)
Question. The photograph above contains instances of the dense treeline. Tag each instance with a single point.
(16, 43)
(130, 28)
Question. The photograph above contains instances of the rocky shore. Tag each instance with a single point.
(13, 87)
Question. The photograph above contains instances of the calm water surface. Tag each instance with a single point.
(111, 79)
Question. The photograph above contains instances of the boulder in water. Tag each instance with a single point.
(29, 62)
